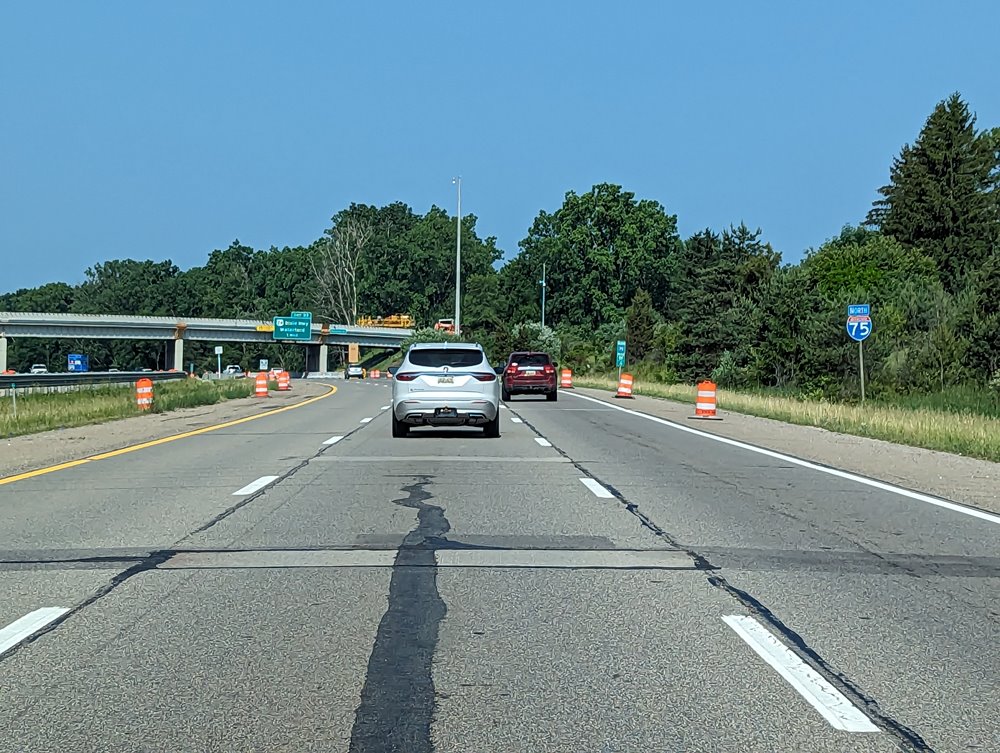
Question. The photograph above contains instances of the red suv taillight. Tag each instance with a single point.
(547, 369)
(402, 377)
(487, 377)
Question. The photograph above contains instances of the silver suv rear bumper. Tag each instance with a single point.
(416, 412)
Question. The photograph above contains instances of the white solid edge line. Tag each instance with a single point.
(385, 407)
(333, 440)
(596, 488)
(254, 486)
(516, 420)
(543, 441)
(810, 684)
(807, 464)
(365, 420)
(26, 626)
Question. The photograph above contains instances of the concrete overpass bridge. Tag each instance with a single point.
(176, 330)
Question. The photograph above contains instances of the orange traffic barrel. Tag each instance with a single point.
(144, 393)
(705, 401)
(260, 385)
(375, 373)
(566, 379)
(388, 374)
(624, 386)
(284, 381)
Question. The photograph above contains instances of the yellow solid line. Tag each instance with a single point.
(163, 440)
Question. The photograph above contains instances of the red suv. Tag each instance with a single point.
(530, 373)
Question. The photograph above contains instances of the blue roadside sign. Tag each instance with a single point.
(620, 354)
(859, 322)
(77, 363)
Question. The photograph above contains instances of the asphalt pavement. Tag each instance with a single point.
(591, 581)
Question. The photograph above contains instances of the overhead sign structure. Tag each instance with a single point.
(297, 326)
(620, 354)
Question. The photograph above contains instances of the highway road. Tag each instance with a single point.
(594, 580)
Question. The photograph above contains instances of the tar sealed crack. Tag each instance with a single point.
(398, 698)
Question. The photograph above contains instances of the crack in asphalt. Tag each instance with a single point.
(907, 739)
(398, 699)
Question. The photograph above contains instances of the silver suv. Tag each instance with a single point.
(445, 384)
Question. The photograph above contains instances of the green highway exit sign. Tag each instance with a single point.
(297, 326)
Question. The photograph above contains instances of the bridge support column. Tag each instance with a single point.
(175, 353)
(3, 354)
(324, 358)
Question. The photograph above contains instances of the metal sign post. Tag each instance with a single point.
(543, 293)
(861, 367)
(218, 356)
(859, 328)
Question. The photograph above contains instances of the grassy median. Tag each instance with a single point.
(58, 410)
(964, 432)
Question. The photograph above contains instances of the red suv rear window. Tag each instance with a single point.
(530, 359)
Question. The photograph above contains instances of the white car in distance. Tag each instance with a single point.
(445, 384)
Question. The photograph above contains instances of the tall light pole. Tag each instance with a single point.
(458, 260)
(543, 293)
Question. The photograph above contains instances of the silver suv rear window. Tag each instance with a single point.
(453, 358)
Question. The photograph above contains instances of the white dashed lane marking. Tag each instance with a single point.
(28, 625)
(596, 488)
(255, 486)
(810, 684)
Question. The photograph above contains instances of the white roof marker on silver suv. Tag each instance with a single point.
(445, 384)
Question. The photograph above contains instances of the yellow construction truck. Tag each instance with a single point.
(394, 321)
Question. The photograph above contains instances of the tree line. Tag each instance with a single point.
(719, 304)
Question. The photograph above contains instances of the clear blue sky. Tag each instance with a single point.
(165, 130)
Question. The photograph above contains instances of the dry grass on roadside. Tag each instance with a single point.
(41, 412)
(961, 433)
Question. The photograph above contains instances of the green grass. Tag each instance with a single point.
(918, 423)
(41, 412)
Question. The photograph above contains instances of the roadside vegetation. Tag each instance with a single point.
(935, 422)
(719, 304)
(59, 410)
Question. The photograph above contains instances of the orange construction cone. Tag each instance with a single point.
(260, 385)
(566, 379)
(624, 386)
(705, 402)
(144, 393)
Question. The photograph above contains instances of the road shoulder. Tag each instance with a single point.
(33, 451)
(954, 477)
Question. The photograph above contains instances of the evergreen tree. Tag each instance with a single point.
(942, 195)
(640, 325)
